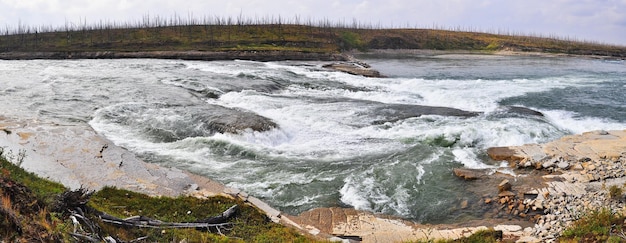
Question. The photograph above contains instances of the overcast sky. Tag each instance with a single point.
(596, 20)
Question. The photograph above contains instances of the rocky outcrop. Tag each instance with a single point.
(578, 170)
(76, 156)
(561, 153)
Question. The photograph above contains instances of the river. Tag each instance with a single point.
(299, 136)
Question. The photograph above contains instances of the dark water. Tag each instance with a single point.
(338, 140)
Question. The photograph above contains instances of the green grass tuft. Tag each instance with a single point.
(595, 226)
(44, 190)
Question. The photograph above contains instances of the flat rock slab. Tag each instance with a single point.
(594, 145)
(76, 156)
(348, 223)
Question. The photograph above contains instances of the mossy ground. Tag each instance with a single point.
(27, 199)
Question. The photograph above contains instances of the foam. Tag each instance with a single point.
(324, 140)
(574, 123)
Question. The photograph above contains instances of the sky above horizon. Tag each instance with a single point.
(590, 20)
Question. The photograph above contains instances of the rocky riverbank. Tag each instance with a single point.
(550, 186)
(581, 169)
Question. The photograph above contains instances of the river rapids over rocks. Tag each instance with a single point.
(300, 136)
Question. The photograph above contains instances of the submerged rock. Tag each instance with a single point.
(396, 112)
(523, 111)
(236, 121)
(165, 123)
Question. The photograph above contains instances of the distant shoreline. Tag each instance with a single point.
(431, 52)
(265, 56)
(181, 55)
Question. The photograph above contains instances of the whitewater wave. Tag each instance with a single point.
(339, 139)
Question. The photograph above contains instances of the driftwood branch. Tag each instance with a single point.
(146, 222)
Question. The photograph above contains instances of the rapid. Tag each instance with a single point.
(300, 136)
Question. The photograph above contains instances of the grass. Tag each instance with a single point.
(25, 200)
(250, 225)
(44, 190)
(601, 225)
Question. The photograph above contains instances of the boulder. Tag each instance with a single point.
(354, 68)
(503, 153)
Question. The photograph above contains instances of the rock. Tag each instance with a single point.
(508, 228)
(538, 205)
(525, 163)
(503, 153)
(231, 191)
(464, 204)
(466, 174)
(524, 111)
(577, 167)
(354, 69)
(521, 207)
(548, 164)
(528, 239)
(487, 200)
(191, 188)
(589, 166)
(397, 112)
(564, 165)
(506, 194)
(504, 200)
(505, 185)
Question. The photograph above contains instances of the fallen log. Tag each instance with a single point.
(146, 222)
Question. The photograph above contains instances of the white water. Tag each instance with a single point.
(327, 149)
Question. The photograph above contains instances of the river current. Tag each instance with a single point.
(386, 145)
